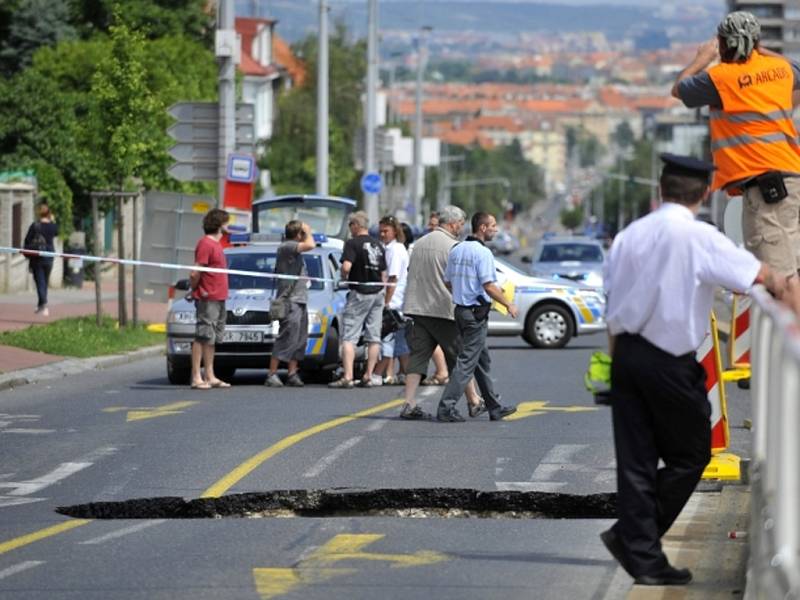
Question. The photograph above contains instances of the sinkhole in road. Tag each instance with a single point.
(347, 502)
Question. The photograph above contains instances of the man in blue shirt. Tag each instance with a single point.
(470, 275)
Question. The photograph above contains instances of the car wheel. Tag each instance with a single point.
(548, 326)
(178, 375)
(224, 373)
(332, 348)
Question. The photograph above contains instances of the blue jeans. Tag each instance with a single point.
(41, 267)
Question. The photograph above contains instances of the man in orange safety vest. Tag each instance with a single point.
(754, 142)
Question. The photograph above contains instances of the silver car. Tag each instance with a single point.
(550, 312)
(577, 258)
(250, 331)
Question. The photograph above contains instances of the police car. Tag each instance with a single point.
(250, 330)
(551, 313)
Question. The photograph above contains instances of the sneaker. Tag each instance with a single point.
(390, 380)
(497, 414)
(413, 414)
(45, 312)
(273, 381)
(345, 384)
(294, 380)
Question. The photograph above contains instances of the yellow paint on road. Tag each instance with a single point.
(533, 409)
(142, 413)
(29, 538)
(252, 463)
(274, 582)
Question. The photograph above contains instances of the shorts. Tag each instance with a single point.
(210, 321)
(427, 333)
(290, 344)
(772, 231)
(363, 312)
(395, 344)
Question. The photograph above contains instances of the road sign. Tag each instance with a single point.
(208, 111)
(197, 136)
(241, 168)
(194, 171)
(371, 183)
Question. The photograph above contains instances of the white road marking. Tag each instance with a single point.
(563, 453)
(23, 566)
(17, 500)
(377, 425)
(330, 458)
(26, 488)
(27, 431)
(559, 459)
(530, 486)
(123, 532)
(502, 460)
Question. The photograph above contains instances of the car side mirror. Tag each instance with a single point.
(182, 284)
(526, 258)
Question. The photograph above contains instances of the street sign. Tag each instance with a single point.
(371, 183)
(203, 151)
(194, 171)
(208, 111)
(241, 168)
(197, 135)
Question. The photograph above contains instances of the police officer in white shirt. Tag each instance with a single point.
(660, 277)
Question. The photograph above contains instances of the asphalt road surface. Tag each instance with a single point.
(125, 433)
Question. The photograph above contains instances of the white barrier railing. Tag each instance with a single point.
(774, 566)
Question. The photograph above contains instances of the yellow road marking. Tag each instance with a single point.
(274, 582)
(533, 409)
(29, 538)
(252, 463)
(141, 413)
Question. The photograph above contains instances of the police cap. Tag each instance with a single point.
(686, 166)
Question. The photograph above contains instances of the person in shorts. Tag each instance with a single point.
(290, 345)
(364, 265)
(209, 290)
(394, 344)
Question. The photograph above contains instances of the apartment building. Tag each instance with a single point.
(780, 23)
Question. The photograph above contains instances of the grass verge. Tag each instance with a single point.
(81, 337)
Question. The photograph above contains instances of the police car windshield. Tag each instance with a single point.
(322, 219)
(265, 263)
(571, 252)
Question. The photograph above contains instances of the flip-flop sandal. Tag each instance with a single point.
(201, 386)
(220, 384)
(435, 380)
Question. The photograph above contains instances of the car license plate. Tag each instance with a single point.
(242, 337)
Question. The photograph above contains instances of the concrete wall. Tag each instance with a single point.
(14, 276)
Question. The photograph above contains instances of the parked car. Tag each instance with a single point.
(249, 330)
(551, 312)
(578, 259)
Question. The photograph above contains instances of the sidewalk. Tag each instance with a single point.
(17, 312)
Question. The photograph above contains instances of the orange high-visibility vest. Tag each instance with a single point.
(754, 132)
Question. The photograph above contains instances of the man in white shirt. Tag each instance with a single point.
(660, 277)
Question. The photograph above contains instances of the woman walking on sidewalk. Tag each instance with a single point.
(40, 237)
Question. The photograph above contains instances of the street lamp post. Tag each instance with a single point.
(371, 200)
(322, 101)
(418, 179)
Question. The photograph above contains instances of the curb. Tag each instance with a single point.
(72, 366)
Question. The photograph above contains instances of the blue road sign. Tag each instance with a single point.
(371, 183)
(242, 168)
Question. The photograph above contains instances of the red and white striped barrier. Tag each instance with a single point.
(739, 340)
(708, 355)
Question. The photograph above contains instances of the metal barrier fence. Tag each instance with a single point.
(774, 566)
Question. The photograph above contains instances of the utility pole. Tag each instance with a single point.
(418, 178)
(371, 200)
(226, 54)
(322, 101)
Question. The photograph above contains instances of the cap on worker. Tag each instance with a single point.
(686, 166)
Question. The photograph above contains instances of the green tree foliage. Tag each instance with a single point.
(507, 162)
(27, 25)
(124, 111)
(154, 18)
(291, 153)
(572, 218)
(623, 135)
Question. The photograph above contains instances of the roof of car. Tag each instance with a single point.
(577, 239)
(303, 198)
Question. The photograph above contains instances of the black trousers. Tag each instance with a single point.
(660, 410)
(41, 267)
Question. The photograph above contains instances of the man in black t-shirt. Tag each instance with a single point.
(363, 263)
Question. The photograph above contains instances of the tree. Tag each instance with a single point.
(291, 153)
(29, 25)
(572, 218)
(623, 135)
